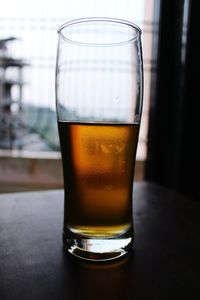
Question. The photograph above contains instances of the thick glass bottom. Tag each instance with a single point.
(98, 249)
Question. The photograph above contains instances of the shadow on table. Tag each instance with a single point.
(97, 280)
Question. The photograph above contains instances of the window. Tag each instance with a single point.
(34, 24)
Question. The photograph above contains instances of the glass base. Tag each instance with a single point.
(98, 249)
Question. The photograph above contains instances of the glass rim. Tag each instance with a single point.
(116, 21)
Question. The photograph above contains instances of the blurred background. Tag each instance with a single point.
(29, 145)
(29, 155)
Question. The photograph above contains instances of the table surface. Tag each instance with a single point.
(164, 263)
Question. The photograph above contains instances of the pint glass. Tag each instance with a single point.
(99, 92)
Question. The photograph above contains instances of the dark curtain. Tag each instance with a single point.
(173, 140)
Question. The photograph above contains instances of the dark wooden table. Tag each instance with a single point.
(165, 263)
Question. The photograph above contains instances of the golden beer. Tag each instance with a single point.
(98, 167)
(99, 95)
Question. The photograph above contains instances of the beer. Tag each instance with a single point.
(98, 167)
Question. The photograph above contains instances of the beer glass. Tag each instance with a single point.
(99, 92)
